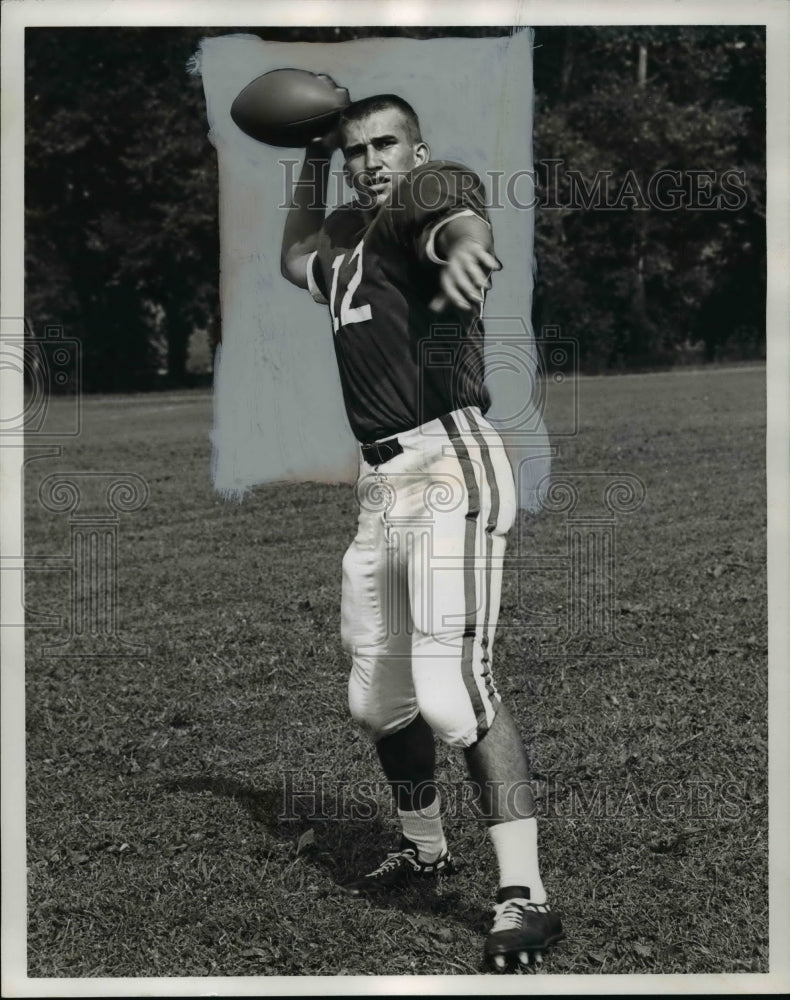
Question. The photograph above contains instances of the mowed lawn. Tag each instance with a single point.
(164, 838)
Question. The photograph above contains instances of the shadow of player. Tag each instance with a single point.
(342, 848)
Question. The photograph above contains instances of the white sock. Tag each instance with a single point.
(423, 827)
(516, 846)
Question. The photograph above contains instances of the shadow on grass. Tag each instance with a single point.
(263, 806)
(342, 848)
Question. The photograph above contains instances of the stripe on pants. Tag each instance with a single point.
(483, 712)
(493, 518)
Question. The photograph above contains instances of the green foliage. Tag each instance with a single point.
(121, 191)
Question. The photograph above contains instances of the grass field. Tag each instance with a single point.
(162, 836)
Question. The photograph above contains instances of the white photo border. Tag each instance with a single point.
(775, 15)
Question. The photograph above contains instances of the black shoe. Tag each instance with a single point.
(398, 868)
(521, 930)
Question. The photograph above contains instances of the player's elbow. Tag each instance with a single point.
(292, 268)
(464, 227)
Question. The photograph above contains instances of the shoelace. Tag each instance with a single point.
(508, 915)
(392, 861)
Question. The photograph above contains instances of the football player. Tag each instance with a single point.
(403, 269)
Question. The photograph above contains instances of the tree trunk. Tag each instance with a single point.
(178, 333)
(641, 72)
(568, 53)
(642, 332)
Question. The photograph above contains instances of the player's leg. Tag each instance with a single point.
(455, 581)
(408, 758)
(377, 631)
(468, 713)
(524, 926)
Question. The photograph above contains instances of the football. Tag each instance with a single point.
(289, 107)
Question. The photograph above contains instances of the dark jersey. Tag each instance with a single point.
(401, 364)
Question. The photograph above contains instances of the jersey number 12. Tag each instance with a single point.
(348, 312)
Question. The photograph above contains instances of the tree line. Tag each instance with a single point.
(650, 164)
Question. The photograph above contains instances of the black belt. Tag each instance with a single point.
(382, 451)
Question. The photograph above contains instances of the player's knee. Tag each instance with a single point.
(459, 736)
(375, 723)
(373, 715)
(455, 725)
(359, 703)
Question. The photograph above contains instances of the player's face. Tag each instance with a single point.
(377, 149)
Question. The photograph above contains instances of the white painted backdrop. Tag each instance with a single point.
(278, 412)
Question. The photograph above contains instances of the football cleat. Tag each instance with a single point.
(398, 868)
(521, 929)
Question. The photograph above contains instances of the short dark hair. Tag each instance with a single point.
(381, 102)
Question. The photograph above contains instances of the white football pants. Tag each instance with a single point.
(422, 580)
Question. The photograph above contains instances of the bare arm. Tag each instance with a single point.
(306, 212)
(466, 246)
